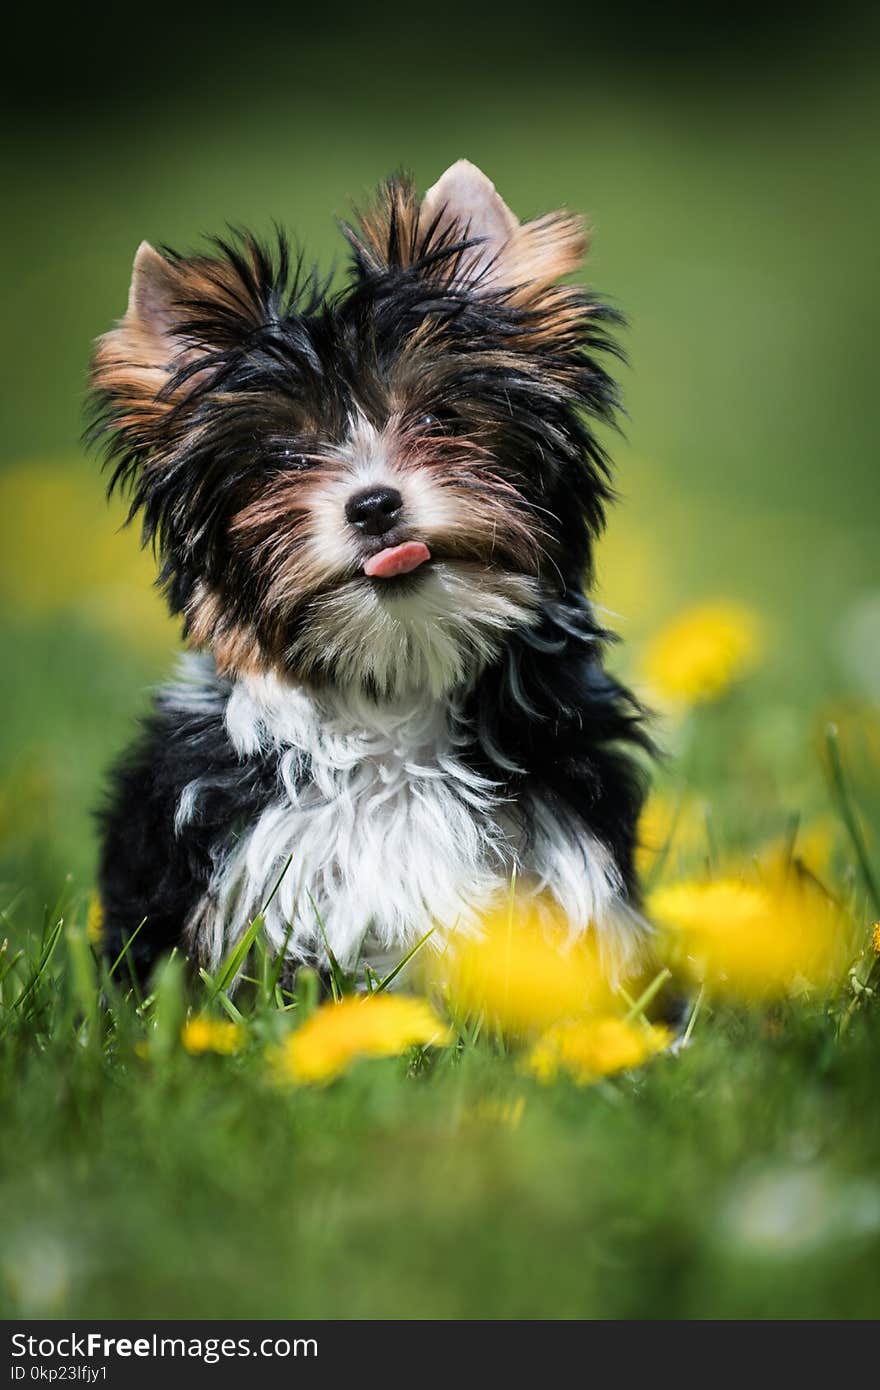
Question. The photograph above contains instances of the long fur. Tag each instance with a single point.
(410, 742)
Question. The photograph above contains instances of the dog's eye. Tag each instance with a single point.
(432, 423)
(292, 459)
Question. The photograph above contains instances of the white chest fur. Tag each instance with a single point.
(389, 833)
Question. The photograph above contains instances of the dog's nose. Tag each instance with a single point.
(375, 510)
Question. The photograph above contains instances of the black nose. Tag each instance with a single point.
(375, 510)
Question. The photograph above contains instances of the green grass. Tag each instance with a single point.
(736, 1178)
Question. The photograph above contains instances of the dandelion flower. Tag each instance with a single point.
(587, 1049)
(522, 975)
(670, 830)
(377, 1025)
(95, 920)
(756, 939)
(875, 939)
(201, 1034)
(698, 656)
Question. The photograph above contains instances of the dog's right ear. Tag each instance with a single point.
(185, 315)
(134, 363)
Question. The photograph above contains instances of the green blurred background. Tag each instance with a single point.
(728, 165)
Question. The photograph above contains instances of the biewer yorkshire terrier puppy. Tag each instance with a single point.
(375, 510)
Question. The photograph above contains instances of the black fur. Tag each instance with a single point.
(549, 717)
(146, 869)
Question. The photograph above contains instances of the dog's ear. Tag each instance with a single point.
(519, 258)
(135, 362)
(465, 204)
(156, 300)
(184, 315)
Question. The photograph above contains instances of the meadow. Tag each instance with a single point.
(177, 1153)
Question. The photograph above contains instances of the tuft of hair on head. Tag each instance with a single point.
(463, 234)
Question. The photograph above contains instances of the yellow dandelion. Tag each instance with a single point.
(671, 829)
(587, 1049)
(521, 974)
(373, 1025)
(698, 656)
(875, 939)
(95, 920)
(201, 1034)
(754, 939)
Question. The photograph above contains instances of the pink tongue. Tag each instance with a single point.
(397, 559)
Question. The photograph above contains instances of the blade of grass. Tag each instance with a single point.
(280, 958)
(692, 1021)
(338, 978)
(392, 975)
(126, 948)
(845, 806)
(7, 965)
(278, 883)
(237, 956)
(239, 953)
(169, 1009)
(84, 977)
(229, 1008)
(307, 991)
(10, 906)
(637, 1008)
(49, 944)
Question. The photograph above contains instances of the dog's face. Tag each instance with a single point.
(377, 486)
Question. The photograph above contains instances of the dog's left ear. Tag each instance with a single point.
(508, 255)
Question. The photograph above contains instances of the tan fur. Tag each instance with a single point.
(523, 261)
(236, 648)
(135, 360)
(393, 221)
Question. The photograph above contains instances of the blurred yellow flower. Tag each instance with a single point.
(521, 974)
(813, 848)
(95, 920)
(754, 940)
(702, 652)
(669, 829)
(202, 1034)
(633, 572)
(875, 939)
(86, 564)
(372, 1025)
(589, 1048)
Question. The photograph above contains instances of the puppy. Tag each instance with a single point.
(375, 508)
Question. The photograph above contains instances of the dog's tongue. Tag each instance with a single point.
(397, 559)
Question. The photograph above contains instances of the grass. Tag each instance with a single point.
(734, 1178)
